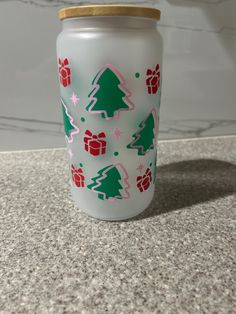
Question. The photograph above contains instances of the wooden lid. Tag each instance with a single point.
(109, 10)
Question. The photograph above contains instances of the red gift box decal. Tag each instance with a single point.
(153, 80)
(77, 176)
(64, 72)
(143, 182)
(95, 144)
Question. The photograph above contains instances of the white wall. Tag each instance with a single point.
(199, 87)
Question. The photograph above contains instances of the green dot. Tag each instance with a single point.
(137, 74)
(116, 153)
(82, 119)
(81, 165)
(150, 164)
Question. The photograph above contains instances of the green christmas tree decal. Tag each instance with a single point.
(70, 128)
(144, 138)
(109, 95)
(111, 183)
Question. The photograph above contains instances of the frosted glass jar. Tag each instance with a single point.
(109, 63)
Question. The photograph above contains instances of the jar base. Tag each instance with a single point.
(87, 213)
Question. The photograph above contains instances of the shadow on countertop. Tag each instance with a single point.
(183, 184)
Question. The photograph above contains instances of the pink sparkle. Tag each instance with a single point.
(117, 133)
(74, 98)
(141, 168)
(70, 153)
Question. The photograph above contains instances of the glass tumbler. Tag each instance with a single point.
(109, 64)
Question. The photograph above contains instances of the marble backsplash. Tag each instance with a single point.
(199, 79)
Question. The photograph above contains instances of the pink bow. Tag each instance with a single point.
(99, 135)
(63, 62)
(156, 71)
(79, 170)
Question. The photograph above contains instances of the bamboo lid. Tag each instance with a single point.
(109, 10)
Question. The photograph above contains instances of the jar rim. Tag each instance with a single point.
(109, 10)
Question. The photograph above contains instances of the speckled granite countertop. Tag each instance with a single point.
(177, 257)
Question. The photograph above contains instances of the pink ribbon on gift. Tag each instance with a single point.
(151, 73)
(91, 136)
(156, 71)
(79, 170)
(63, 64)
